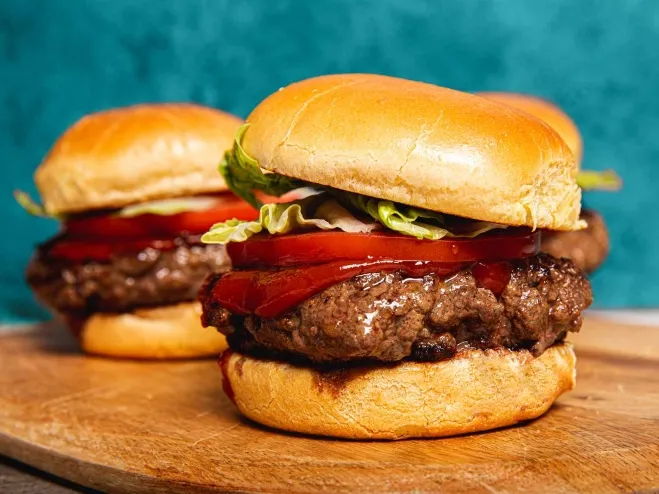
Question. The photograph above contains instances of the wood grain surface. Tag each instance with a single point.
(166, 427)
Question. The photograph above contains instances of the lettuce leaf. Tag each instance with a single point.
(324, 212)
(416, 222)
(596, 180)
(243, 175)
(320, 212)
(168, 207)
(165, 207)
(32, 207)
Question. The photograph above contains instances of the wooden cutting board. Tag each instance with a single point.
(166, 427)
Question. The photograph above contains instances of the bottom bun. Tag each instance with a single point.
(168, 332)
(474, 391)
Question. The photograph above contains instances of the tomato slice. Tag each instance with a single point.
(271, 293)
(155, 226)
(226, 207)
(322, 247)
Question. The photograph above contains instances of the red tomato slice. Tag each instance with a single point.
(155, 226)
(271, 293)
(83, 250)
(322, 247)
(228, 206)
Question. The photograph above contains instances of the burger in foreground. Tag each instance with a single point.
(134, 189)
(589, 247)
(407, 298)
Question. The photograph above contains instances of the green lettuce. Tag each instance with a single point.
(32, 207)
(324, 212)
(243, 175)
(596, 180)
(416, 222)
(168, 207)
(318, 211)
(165, 207)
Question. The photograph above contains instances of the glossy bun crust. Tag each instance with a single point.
(134, 154)
(474, 391)
(549, 113)
(420, 145)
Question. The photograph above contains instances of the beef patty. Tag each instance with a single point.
(388, 317)
(587, 248)
(125, 281)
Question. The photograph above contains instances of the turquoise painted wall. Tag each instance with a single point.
(60, 59)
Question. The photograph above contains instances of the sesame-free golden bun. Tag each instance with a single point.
(420, 145)
(134, 154)
(166, 332)
(546, 111)
(474, 391)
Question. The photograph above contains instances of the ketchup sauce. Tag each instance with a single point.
(270, 293)
(224, 367)
(494, 276)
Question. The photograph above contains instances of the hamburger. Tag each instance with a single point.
(134, 188)
(588, 248)
(408, 297)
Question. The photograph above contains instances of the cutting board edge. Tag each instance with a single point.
(92, 474)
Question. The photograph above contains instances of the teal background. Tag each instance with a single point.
(60, 59)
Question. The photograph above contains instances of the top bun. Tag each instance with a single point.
(420, 145)
(549, 113)
(134, 154)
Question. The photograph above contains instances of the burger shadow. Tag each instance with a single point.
(53, 337)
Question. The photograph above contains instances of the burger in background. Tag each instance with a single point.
(134, 188)
(408, 298)
(587, 248)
